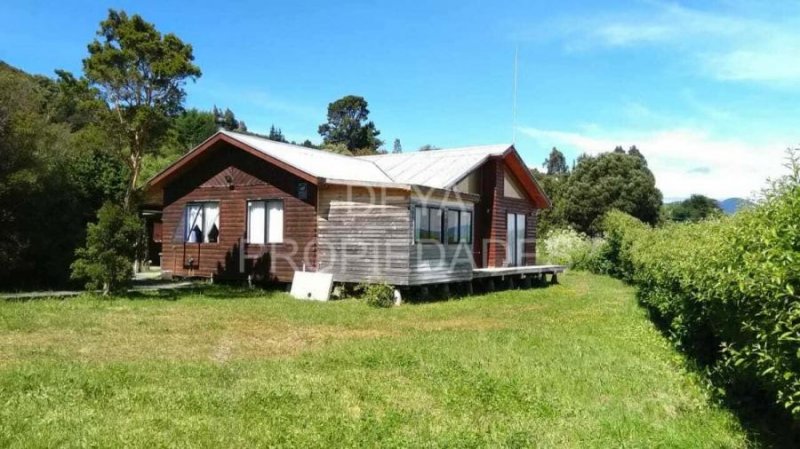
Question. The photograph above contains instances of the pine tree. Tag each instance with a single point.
(397, 148)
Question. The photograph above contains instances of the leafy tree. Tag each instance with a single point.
(397, 148)
(338, 148)
(695, 208)
(276, 134)
(348, 123)
(619, 149)
(308, 144)
(556, 163)
(140, 73)
(633, 151)
(428, 147)
(54, 172)
(192, 128)
(105, 261)
(610, 181)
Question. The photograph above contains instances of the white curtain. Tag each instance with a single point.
(520, 239)
(511, 235)
(256, 225)
(211, 221)
(275, 222)
(193, 212)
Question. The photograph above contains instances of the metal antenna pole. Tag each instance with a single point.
(514, 107)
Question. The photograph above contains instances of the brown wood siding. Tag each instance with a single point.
(232, 177)
(494, 206)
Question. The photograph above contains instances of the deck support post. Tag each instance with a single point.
(468, 288)
(489, 284)
(445, 288)
(554, 278)
(510, 282)
(526, 282)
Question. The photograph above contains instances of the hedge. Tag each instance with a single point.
(726, 290)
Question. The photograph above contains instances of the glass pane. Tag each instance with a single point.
(256, 213)
(193, 226)
(211, 222)
(520, 238)
(436, 224)
(418, 220)
(466, 227)
(510, 237)
(275, 222)
(425, 227)
(452, 226)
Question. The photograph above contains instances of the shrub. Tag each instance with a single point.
(726, 290)
(573, 249)
(377, 295)
(107, 259)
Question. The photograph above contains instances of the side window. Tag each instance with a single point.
(264, 222)
(201, 223)
(459, 226)
(428, 224)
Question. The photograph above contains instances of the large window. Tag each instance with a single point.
(265, 222)
(459, 226)
(427, 224)
(201, 223)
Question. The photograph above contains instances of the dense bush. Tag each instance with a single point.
(726, 290)
(107, 259)
(572, 249)
(377, 295)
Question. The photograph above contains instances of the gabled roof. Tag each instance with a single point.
(441, 169)
(438, 169)
(320, 164)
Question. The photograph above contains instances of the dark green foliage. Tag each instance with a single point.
(191, 128)
(377, 295)
(308, 144)
(696, 208)
(556, 163)
(348, 123)
(428, 147)
(397, 147)
(227, 120)
(107, 259)
(606, 182)
(54, 174)
(726, 290)
(276, 134)
(140, 74)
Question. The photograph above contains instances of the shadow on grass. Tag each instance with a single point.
(766, 423)
(466, 290)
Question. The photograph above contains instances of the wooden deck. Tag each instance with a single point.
(478, 273)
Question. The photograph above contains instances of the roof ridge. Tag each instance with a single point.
(287, 144)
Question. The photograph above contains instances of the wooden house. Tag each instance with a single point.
(240, 205)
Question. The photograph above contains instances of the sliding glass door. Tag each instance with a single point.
(515, 239)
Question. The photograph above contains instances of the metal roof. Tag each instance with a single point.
(440, 169)
(321, 164)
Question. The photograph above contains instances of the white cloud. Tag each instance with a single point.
(684, 161)
(730, 45)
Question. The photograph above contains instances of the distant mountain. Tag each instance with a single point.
(731, 205)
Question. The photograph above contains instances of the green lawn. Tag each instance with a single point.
(572, 365)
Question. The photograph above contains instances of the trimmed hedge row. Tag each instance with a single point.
(726, 290)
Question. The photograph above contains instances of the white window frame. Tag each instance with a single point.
(267, 236)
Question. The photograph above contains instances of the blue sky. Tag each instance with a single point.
(707, 90)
